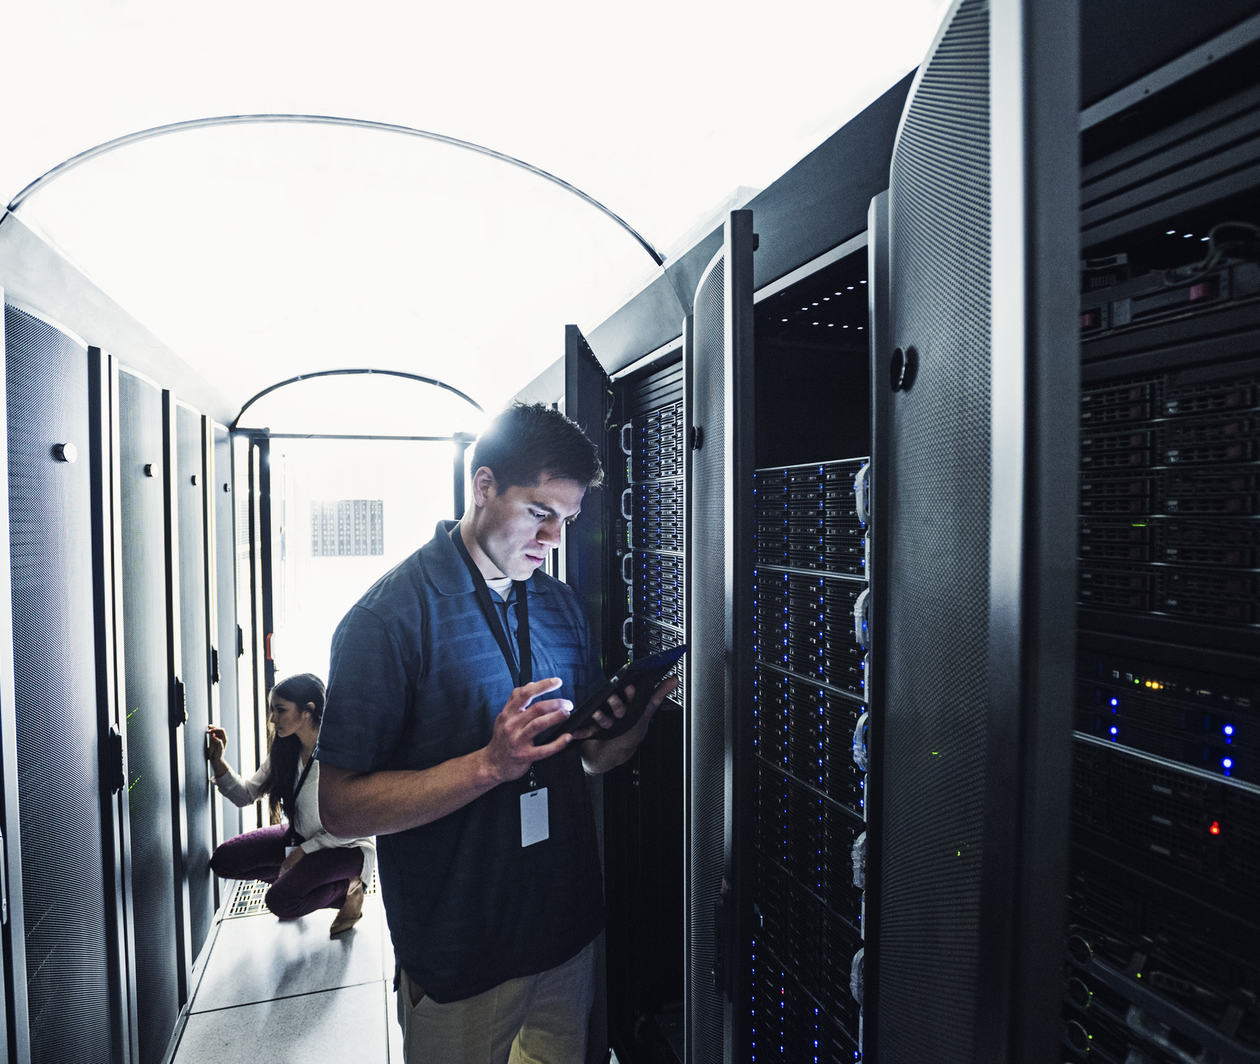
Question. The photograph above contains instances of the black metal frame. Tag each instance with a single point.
(178, 714)
(740, 443)
(15, 1033)
(587, 401)
(885, 472)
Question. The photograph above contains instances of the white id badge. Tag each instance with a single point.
(534, 817)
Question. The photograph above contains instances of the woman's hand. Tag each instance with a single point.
(216, 743)
(294, 856)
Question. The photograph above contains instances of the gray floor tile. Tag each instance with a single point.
(330, 1027)
(259, 958)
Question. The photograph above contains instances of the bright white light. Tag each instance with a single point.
(257, 256)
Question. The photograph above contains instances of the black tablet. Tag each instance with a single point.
(644, 674)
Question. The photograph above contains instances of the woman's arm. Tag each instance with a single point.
(243, 792)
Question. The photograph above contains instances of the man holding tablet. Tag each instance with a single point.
(443, 675)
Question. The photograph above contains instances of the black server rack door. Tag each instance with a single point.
(227, 640)
(719, 492)
(158, 892)
(72, 1000)
(191, 518)
(586, 401)
(261, 557)
(15, 1037)
(976, 546)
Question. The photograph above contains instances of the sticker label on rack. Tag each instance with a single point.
(534, 826)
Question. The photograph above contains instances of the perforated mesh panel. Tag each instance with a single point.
(707, 655)
(148, 716)
(937, 624)
(63, 890)
(249, 897)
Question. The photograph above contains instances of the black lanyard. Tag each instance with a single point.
(302, 779)
(291, 837)
(525, 672)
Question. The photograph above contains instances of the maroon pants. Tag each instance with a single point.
(318, 881)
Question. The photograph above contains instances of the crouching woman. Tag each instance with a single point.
(307, 868)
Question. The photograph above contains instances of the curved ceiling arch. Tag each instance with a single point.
(261, 250)
(193, 124)
(300, 378)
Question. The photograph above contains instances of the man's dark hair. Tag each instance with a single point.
(525, 443)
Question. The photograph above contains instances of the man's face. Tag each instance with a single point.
(514, 528)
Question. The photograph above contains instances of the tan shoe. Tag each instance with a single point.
(350, 912)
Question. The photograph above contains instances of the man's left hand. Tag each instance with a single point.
(601, 755)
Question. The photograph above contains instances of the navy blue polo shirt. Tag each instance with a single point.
(416, 679)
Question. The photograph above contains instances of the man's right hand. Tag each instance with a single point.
(354, 804)
(511, 749)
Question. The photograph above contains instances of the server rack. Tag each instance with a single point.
(809, 581)
(644, 799)
(228, 641)
(191, 525)
(809, 716)
(155, 763)
(1163, 936)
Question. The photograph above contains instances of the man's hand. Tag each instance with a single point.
(511, 749)
(355, 804)
(600, 756)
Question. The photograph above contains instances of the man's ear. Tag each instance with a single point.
(483, 485)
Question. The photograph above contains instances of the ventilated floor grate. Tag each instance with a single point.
(249, 898)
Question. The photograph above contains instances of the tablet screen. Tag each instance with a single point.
(645, 674)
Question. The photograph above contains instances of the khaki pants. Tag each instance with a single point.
(537, 1019)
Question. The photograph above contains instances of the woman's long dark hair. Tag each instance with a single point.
(306, 690)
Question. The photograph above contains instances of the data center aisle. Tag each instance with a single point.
(283, 991)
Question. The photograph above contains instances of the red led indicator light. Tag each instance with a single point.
(1215, 829)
